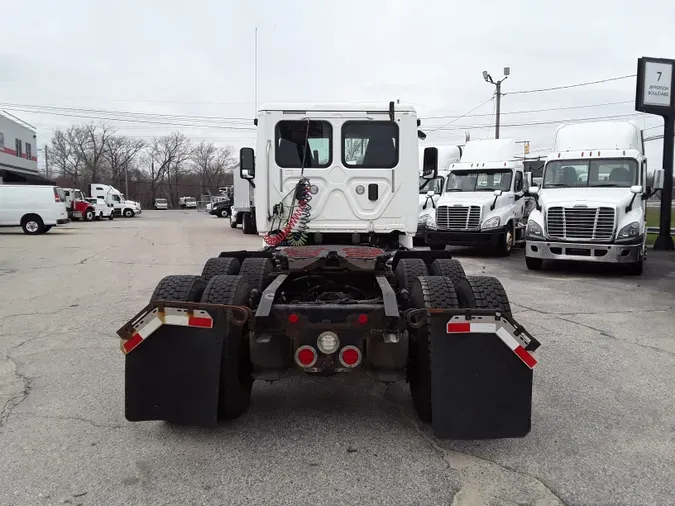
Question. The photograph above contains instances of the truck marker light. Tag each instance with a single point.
(293, 318)
(363, 319)
(306, 356)
(350, 356)
(455, 327)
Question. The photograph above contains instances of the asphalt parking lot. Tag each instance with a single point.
(603, 411)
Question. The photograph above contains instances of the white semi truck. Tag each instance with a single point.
(430, 190)
(483, 204)
(110, 195)
(336, 290)
(243, 208)
(591, 205)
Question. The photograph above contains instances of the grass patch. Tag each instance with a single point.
(653, 217)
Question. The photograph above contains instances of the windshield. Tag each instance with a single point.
(599, 173)
(190, 199)
(477, 181)
(161, 201)
(78, 195)
(426, 185)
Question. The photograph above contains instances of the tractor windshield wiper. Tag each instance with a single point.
(556, 185)
(604, 185)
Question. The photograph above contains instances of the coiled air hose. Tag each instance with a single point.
(299, 217)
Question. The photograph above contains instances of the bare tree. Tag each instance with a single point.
(67, 161)
(120, 156)
(167, 157)
(90, 142)
(210, 164)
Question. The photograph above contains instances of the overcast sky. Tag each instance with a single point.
(196, 58)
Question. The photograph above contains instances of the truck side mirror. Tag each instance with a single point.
(247, 163)
(659, 176)
(497, 193)
(430, 163)
(533, 190)
(528, 179)
(636, 189)
(431, 193)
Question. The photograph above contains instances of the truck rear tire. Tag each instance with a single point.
(218, 265)
(482, 292)
(407, 271)
(248, 224)
(427, 292)
(32, 224)
(236, 380)
(534, 264)
(179, 288)
(258, 272)
(448, 267)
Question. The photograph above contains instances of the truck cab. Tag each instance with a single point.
(110, 195)
(79, 208)
(483, 204)
(353, 169)
(591, 205)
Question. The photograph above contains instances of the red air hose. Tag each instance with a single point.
(278, 238)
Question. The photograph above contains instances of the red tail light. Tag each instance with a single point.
(363, 319)
(350, 356)
(305, 356)
(293, 318)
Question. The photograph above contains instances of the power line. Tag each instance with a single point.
(589, 83)
(532, 111)
(462, 116)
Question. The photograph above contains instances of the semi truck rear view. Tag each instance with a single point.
(335, 289)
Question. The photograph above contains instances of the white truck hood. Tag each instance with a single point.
(588, 196)
(467, 198)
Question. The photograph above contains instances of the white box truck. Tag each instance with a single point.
(591, 205)
(243, 208)
(483, 204)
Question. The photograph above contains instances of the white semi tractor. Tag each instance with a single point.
(591, 205)
(484, 203)
(110, 195)
(336, 290)
(243, 207)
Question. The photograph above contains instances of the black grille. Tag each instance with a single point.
(458, 217)
(586, 223)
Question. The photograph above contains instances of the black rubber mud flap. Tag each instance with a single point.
(479, 388)
(173, 375)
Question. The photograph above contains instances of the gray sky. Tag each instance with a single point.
(196, 58)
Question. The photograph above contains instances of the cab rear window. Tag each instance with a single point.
(370, 144)
(303, 144)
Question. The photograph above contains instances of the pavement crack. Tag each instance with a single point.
(16, 399)
(472, 468)
(93, 423)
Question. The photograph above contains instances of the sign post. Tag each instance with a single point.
(655, 94)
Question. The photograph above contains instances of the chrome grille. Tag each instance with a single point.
(458, 217)
(581, 223)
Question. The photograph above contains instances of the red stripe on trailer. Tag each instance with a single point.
(130, 344)
(458, 327)
(525, 356)
(196, 321)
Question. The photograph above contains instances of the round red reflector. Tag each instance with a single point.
(293, 318)
(363, 319)
(306, 356)
(350, 356)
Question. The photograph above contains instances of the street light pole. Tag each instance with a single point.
(498, 93)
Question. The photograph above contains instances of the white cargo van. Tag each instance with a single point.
(591, 206)
(34, 208)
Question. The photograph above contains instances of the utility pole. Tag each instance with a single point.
(498, 93)
(47, 160)
(126, 180)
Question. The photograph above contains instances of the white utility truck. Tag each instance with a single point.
(161, 204)
(337, 289)
(591, 206)
(243, 207)
(430, 190)
(101, 209)
(107, 194)
(483, 204)
(187, 203)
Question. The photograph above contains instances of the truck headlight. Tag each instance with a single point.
(534, 230)
(491, 222)
(629, 232)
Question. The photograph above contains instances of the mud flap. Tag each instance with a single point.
(174, 374)
(480, 388)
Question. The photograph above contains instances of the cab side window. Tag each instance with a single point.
(518, 185)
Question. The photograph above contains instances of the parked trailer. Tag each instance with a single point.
(337, 289)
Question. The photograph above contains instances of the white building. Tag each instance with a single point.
(18, 153)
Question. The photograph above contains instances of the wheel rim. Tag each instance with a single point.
(509, 240)
(32, 226)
